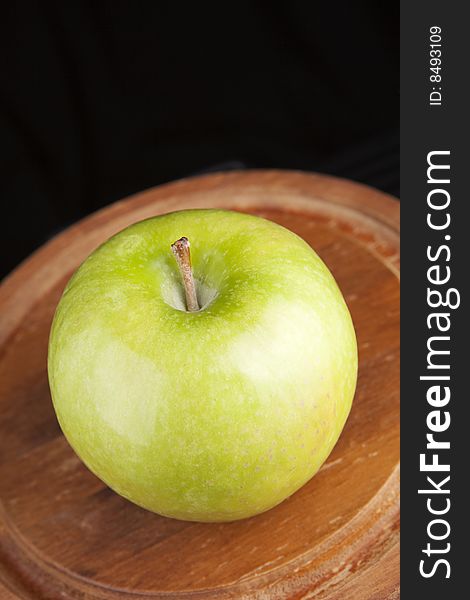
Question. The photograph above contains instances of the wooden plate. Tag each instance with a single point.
(63, 534)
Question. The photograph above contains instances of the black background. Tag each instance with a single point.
(100, 99)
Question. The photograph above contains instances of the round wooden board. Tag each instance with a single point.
(64, 534)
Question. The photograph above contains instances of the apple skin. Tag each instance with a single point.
(213, 415)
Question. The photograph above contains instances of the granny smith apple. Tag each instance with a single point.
(203, 363)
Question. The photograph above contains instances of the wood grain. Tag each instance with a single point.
(63, 534)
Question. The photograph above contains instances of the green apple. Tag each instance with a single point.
(208, 413)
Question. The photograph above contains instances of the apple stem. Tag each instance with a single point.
(181, 251)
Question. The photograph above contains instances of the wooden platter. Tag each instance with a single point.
(63, 534)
